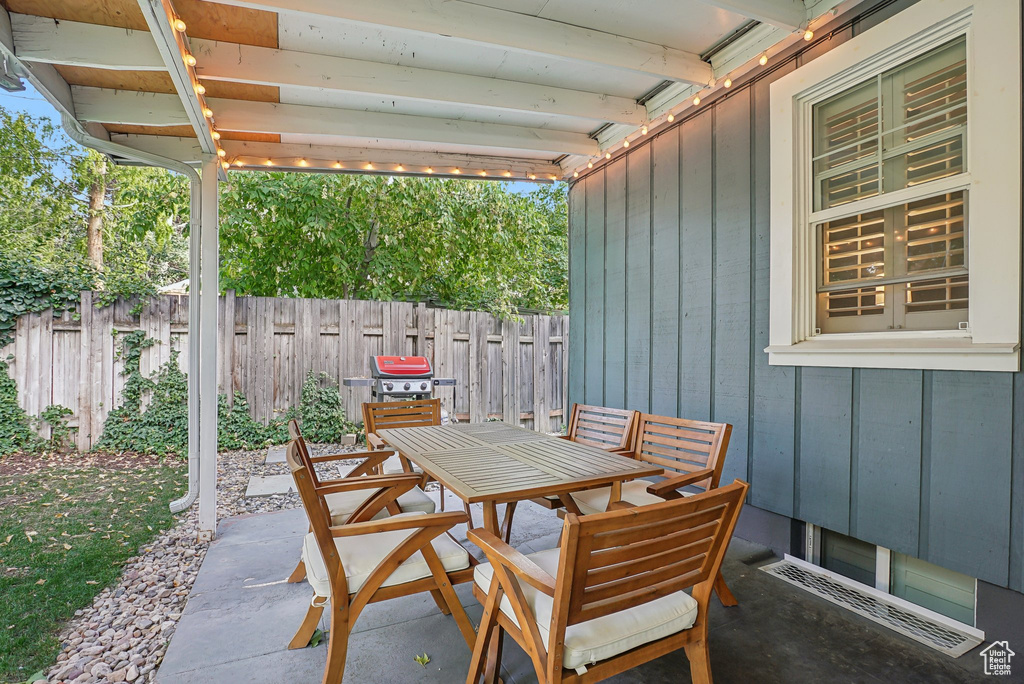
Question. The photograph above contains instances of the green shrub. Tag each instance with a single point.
(56, 416)
(321, 412)
(16, 431)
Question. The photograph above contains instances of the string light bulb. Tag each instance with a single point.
(456, 170)
(554, 177)
(239, 162)
(269, 162)
(607, 155)
(337, 165)
(533, 176)
(643, 130)
(763, 60)
(200, 89)
(207, 112)
(399, 168)
(625, 143)
(215, 135)
(696, 100)
(728, 83)
(179, 26)
(369, 166)
(225, 165)
(575, 174)
(483, 173)
(508, 174)
(303, 162)
(671, 117)
(189, 59)
(590, 164)
(430, 169)
(808, 35)
(221, 153)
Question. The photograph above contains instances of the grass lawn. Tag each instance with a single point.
(67, 525)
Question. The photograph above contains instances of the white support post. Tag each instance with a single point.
(883, 568)
(209, 290)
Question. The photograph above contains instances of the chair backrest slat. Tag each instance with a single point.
(682, 445)
(382, 415)
(625, 558)
(604, 428)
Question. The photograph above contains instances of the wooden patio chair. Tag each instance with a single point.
(694, 449)
(611, 597)
(353, 505)
(605, 428)
(367, 561)
(382, 415)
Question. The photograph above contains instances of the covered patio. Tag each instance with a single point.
(707, 144)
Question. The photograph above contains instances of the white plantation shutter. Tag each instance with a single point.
(904, 266)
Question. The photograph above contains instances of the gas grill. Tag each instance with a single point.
(408, 377)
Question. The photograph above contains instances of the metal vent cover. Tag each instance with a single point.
(920, 624)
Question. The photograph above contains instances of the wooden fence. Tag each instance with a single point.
(509, 370)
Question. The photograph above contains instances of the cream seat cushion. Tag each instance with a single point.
(360, 555)
(635, 492)
(342, 504)
(604, 637)
(393, 466)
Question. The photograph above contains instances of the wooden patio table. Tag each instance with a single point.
(492, 463)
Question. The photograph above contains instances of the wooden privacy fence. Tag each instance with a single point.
(509, 370)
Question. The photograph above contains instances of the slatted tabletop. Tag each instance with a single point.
(502, 463)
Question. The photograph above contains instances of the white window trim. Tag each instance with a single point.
(993, 180)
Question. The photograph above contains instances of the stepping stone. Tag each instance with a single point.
(276, 454)
(269, 486)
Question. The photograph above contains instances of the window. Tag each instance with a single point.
(901, 267)
(896, 195)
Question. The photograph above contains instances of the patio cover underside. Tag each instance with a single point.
(442, 87)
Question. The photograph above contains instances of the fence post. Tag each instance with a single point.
(541, 352)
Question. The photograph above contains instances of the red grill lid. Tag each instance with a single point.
(401, 367)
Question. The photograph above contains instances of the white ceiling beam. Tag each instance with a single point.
(156, 109)
(171, 44)
(127, 107)
(509, 30)
(270, 117)
(332, 158)
(43, 40)
(785, 14)
(267, 66)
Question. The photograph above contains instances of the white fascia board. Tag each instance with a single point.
(43, 40)
(510, 30)
(171, 45)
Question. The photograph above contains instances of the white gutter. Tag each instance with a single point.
(79, 135)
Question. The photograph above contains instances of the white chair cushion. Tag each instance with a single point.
(393, 466)
(635, 492)
(604, 637)
(342, 504)
(360, 555)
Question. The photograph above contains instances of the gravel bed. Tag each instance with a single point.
(123, 636)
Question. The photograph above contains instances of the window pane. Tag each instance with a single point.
(939, 294)
(934, 232)
(853, 248)
(846, 129)
(859, 302)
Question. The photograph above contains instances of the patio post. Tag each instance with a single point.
(208, 298)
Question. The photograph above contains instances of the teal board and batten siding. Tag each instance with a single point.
(669, 249)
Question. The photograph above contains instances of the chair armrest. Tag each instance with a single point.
(522, 567)
(353, 455)
(373, 441)
(627, 452)
(562, 437)
(665, 487)
(445, 521)
(349, 484)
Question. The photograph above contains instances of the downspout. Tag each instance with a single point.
(82, 137)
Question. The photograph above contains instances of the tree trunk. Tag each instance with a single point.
(97, 195)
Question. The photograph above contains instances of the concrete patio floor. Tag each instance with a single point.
(241, 615)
